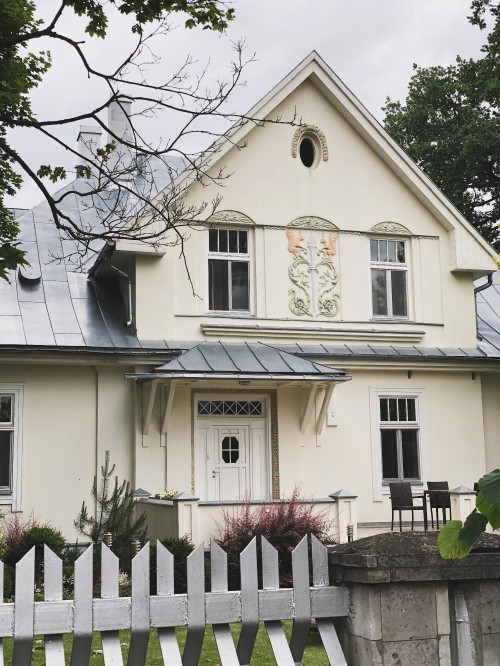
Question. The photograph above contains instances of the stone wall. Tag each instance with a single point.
(409, 607)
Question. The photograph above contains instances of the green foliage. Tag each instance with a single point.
(114, 512)
(36, 537)
(456, 540)
(282, 522)
(450, 126)
(449, 543)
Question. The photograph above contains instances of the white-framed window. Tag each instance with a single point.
(228, 270)
(389, 277)
(399, 437)
(11, 409)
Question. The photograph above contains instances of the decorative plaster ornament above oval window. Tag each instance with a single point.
(392, 228)
(229, 217)
(309, 143)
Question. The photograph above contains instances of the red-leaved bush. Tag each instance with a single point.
(282, 522)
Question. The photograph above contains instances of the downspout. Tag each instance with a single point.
(463, 652)
(130, 317)
(482, 287)
(104, 256)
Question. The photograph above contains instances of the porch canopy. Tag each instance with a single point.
(243, 363)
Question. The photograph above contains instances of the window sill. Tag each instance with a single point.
(6, 499)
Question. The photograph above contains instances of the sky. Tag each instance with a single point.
(370, 44)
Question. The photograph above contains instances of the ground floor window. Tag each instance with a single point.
(11, 405)
(399, 442)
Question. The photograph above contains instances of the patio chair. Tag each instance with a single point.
(402, 500)
(440, 500)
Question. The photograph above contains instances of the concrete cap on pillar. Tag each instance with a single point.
(343, 494)
(185, 497)
(463, 490)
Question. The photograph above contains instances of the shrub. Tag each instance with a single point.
(282, 522)
(180, 547)
(37, 536)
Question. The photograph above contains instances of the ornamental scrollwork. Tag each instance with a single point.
(310, 129)
(230, 216)
(390, 228)
(313, 274)
(311, 222)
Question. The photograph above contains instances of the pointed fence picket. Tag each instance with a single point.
(53, 617)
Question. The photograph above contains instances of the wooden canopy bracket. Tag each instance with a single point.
(148, 404)
(308, 409)
(168, 407)
(324, 407)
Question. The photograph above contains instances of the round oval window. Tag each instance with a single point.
(307, 152)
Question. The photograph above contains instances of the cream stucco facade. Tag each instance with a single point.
(304, 276)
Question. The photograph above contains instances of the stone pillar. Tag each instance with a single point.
(186, 510)
(463, 502)
(346, 514)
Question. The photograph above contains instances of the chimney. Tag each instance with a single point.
(89, 140)
(119, 123)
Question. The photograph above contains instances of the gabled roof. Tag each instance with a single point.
(470, 251)
(488, 317)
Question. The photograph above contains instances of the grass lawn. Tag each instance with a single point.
(262, 655)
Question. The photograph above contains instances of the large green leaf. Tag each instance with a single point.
(491, 511)
(449, 544)
(474, 526)
(489, 486)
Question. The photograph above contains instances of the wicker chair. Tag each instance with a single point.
(440, 500)
(402, 500)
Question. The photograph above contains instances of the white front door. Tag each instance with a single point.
(228, 462)
(232, 447)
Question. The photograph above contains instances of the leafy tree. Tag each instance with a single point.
(184, 92)
(114, 512)
(456, 539)
(450, 126)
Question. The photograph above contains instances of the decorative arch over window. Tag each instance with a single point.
(230, 217)
(392, 228)
(311, 222)
(312, 131)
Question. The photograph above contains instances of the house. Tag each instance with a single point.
(325, 336)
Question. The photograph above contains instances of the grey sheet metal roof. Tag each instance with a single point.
(234, 360)
(49, 303)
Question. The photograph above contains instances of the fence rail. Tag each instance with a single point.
(53, 617)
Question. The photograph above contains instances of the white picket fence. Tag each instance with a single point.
(52, 618)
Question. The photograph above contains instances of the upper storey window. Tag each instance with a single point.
(228, 270)
(389, 277)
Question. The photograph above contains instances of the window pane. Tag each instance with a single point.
(239, 285)
(379, 292)
(213, 236)
(391, 251)
(218, 294)
(409, 440)
(384, 409)
(222, 240)
(389, 454)
(374, 250)
(401, 252)
(412, 413)
(233, 241)
(398, 283)
(5, 459)
(243, 242)
(393, 409)
(402, 410)
(382, 249)
(5, 409)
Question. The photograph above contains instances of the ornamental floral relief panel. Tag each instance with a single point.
(314, 292)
